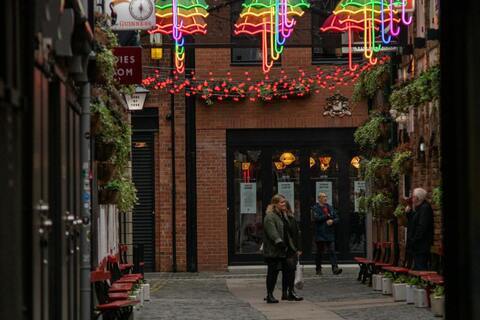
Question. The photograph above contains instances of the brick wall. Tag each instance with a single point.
(211, 124)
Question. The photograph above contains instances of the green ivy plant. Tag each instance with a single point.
(363, 204)
(109, 131)
(401, 162)
(414, 281)
(399, 211)
(367, 135)
(437, 196)
(114, 185)
(425, 88)
(128, 195)
(106, 64)
(389, 275)
(379, 202)
(370, 81)
(377, 168)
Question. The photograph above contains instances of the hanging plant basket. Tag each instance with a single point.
(105, 172)
(108, 196)
(95, 124)
(104, 151)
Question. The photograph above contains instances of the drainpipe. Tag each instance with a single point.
(85, 291)
(174, 186)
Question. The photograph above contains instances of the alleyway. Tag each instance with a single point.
(238, 295)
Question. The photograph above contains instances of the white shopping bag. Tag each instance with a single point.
(299, 276)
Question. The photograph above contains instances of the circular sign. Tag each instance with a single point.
(141, 9)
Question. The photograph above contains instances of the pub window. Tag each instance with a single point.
(245, 48)
(328, 47)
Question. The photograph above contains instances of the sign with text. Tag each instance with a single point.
(131, 14)
(248, 198)
(129, 65)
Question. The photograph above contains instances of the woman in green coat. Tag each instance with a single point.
(274, 243)
(294, 250)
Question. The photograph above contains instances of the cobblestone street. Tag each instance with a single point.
(238, 295)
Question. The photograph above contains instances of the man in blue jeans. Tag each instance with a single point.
(325, 219)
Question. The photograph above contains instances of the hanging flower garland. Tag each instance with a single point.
(180, 18)
(274, 21)
(225, 88)
(370, 17)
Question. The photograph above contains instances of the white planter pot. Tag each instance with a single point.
(409, 293)
(377, 282)
(399, 291)
(420, 297)
(438, 305)
(146, 291)
(386, 286)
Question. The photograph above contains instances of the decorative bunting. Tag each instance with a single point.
(274, 21)
(179, 18)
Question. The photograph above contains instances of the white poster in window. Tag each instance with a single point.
(325, 187)
(287, 189)
(358, 191)
(248, 198)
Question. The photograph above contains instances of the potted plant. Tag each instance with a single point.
(399, 288)
(387, 280)
(437, 299)
(110, 193)
(437, 197)
(410, 287)
(381, 204)
(377, 282)
(420, 296)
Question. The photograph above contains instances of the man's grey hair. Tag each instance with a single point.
(420, 194)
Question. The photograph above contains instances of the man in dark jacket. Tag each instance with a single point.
(325, 219)
(420, 229)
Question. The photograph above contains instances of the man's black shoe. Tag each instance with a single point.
(319, 272)
(336, 270)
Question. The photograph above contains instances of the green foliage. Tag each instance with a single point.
(401, 279)
(437, 196)
(363, 204)
(106, 64)
(388, 275)
(399, 211)
(439, 291)
(370, 81)
(367, 136)
(414, 281)
(380, 202)
(425, 88)
(128, 195)
(109, 128)
(401, 162)
(113, 185)
(377, 168)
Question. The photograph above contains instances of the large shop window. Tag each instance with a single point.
(328, 47)
(248, 195)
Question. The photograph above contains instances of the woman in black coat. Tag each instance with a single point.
(294, 250)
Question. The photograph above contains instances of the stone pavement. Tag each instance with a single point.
(238, 295)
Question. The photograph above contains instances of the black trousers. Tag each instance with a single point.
(274, 265)
(288, 273)
(330, 246)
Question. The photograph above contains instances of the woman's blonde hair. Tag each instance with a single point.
(289, 208)
(273, 206)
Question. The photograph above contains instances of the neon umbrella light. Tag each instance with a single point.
(179, 18)
(274, 21)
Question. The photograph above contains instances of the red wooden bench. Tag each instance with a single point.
(110, 305)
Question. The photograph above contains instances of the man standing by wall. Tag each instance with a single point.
(420, 233)
(325, 218)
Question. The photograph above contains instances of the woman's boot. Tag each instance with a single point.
(270, 298)
(292, 296)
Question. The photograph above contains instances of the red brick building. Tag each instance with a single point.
(237, 150)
